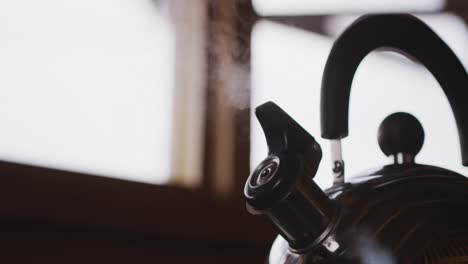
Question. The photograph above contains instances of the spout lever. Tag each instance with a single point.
(283, 133)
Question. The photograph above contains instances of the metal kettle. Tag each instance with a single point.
(404, 212)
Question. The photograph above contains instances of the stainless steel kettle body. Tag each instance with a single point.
(403, 213)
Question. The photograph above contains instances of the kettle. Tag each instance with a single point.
(404, 212)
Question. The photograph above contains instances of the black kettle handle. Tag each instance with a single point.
(408, 35)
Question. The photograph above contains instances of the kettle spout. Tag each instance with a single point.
(282, 186)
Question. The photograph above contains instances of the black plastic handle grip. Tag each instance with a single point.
(405, 34)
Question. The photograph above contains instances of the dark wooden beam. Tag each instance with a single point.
(313, 24)
(458, 7)
(32, 195)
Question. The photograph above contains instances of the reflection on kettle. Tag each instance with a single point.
(403, 213)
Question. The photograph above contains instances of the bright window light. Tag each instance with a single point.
(87, 86)
(303, 7)
(287, 68)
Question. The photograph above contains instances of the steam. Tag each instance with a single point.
(229, 49)
(214, 28)
(236, 84)
(369, 251)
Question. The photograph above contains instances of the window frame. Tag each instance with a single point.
(33, 194)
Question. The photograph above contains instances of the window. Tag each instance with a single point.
(287, 67)
(90, 86)
(308, 7)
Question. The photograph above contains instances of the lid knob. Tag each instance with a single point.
(401, 134)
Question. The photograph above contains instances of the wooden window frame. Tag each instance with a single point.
(32, 194)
